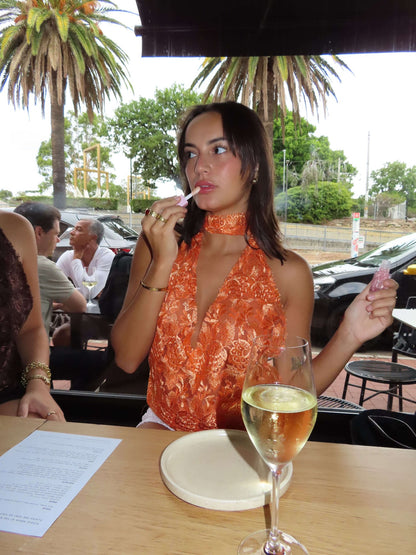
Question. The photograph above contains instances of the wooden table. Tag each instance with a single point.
(343, 499)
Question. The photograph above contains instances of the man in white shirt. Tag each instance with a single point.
(55, 287)
(85, 239)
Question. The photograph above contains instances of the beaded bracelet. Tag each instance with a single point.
(152, 288)
(32, 366)
(46, 380)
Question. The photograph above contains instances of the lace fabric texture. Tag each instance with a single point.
(15, 305)
(197, 388)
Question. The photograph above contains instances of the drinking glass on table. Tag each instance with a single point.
(89, 281)
(279, 409)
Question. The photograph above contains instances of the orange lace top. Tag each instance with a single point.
(198, 388)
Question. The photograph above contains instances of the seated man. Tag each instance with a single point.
(55, 287)
(85, 239)
(86, 255)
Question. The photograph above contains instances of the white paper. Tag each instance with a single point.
(42, 474)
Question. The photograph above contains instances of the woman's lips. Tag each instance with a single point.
(205, 187)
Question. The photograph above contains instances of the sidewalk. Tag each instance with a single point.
(379, 401)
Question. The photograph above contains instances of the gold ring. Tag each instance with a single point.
(157, 216)
(50, 412)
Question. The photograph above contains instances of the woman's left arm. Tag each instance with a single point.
(369, 314)
(32, 341)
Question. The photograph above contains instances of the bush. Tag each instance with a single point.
(71, 202)
(316, 204)
(141, 204)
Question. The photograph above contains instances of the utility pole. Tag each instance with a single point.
(284, 182)
(367, 179)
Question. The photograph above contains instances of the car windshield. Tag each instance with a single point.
(120, 228)
(392, 251)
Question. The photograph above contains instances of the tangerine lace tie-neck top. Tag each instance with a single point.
(197, 388)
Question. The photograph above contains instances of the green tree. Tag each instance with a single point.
(145, 131)
(315, 204)
(306, 153)
(80, 134)
(5, 194)
(396, 179)
(48, 46)
(264, 82)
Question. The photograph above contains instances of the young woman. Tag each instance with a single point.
(24, 347)
(209, 277)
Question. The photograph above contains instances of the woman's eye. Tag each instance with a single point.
(189, 155)
(220, 149)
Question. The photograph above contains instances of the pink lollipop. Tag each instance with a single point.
(184, 200)
(382, 274)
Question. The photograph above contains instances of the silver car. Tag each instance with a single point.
(117, 235)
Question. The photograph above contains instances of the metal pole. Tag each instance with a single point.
(368, 175)
(285, 184)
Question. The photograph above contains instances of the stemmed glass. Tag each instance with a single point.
(279, 409)
(89, 281)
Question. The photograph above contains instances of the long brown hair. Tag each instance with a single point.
(247, 138)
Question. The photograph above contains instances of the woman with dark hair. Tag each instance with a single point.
(209, 277)
(25, 377)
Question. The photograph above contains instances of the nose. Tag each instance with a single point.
(202, 164)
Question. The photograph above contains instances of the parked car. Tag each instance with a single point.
(118, 236)
(337, 283)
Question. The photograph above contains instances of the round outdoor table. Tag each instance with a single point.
(394, 374)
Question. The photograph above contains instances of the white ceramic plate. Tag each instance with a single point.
(218, 469)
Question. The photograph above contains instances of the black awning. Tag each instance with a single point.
(275, 27)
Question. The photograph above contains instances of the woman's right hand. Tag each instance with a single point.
(159, 227)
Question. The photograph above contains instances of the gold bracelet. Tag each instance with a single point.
(32, 366)
(39, 377)
(142, 283)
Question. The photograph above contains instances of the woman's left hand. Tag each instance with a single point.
(39, 403)
(370, 313)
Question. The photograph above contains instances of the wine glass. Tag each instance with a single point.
(89, 281)
(279, 409)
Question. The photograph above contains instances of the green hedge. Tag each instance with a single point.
(91, 203)
(140, 204)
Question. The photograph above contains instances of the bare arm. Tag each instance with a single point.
(367, 316)
(155, 253)
(75, 303)
(32, 342)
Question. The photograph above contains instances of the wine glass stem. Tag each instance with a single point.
(272, 545)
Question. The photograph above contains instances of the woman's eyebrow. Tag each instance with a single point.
(210, 142)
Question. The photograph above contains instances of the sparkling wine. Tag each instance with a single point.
(279, 419)
(89, 284)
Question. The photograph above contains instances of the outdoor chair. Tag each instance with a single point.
(404, 341)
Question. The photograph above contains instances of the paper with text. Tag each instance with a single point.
(42, 474)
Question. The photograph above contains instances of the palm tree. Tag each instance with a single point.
(264, 82)
(49, 45)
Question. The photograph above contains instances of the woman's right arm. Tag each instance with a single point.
(156, 250)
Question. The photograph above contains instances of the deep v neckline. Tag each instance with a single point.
(194, 339)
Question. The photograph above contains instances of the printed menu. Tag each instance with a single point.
(42, 474)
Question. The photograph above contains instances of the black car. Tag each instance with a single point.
(337, 283)
(118, 236)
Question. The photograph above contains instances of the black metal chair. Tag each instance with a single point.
(335, 403)
(405, 339)
(391, 373)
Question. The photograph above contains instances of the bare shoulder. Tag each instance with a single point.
(294, 274)
(17, 230)
(294, 264)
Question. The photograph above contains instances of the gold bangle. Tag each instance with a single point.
(32, 366)
(152, 288)
(46, 380)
